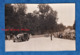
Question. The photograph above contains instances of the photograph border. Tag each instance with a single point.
(2, 26)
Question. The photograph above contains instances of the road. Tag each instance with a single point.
(41, 44)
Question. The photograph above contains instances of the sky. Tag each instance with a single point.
(66, 12)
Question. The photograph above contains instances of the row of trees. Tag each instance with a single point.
(39, 22)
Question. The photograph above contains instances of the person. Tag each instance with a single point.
(51, 37)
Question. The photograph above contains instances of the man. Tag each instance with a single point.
(51, 37)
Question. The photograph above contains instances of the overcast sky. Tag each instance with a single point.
(66, 12)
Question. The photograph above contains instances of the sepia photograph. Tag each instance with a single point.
(40, 27)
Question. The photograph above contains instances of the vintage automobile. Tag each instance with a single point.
(21, 37)
(65, 35)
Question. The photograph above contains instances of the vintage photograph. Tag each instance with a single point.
(40, 27)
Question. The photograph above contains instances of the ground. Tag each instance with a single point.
(41, 44)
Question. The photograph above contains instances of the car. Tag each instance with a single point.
(21, 37)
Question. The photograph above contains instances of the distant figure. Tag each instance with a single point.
(51, 37)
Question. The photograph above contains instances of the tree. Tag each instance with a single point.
(60, 27)
(48, 18)
(14, 16)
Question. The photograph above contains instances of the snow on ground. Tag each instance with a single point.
(41, 44)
